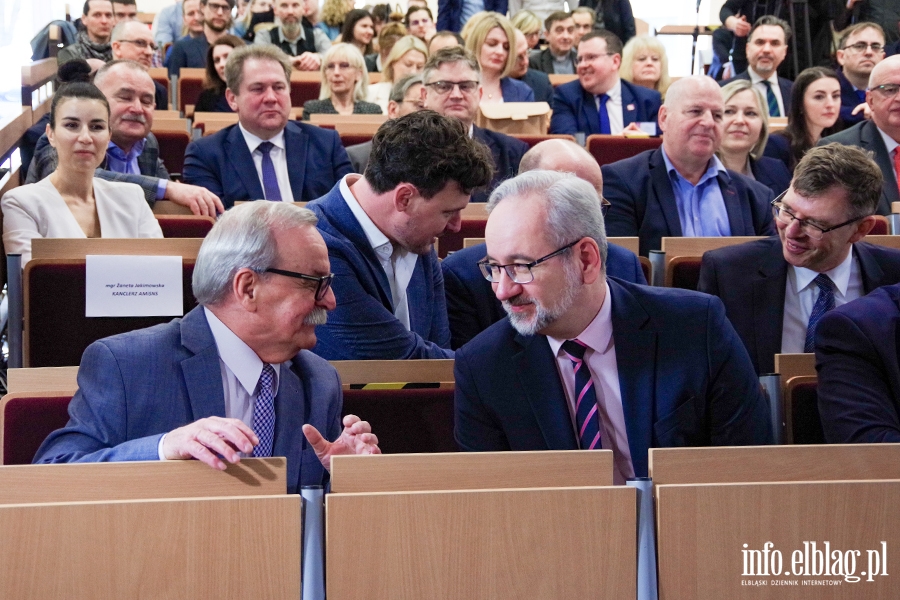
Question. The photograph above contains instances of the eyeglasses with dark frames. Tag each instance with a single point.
(445, 87)
(323, 283)
(142, 44)
(887, 90)
(784, 214)
(862, 46)
(518, 273)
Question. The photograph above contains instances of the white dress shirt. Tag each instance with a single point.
(279, 159)
(600, 358)
(801, 293)
(613, 108)
(397, 262)
(776, 89)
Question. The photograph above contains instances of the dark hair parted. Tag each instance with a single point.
(350, 20)
(847, 167)
(414, 9)
(428, 151)
(613, 43)
(796, 131)
(75, 82)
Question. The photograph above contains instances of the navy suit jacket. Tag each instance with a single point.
(363, 326)
(507, 152)
(539, 82)
(643, 201)
(858, 360)
(785, 85)
(575, 110)
(849, 100)
(866, 136)
(450, 13)
(684, 377)
(772, 173)
(188, 52)
(471, 303)
(514, 90)
(223, 164)
(137, 386)
(751, 278)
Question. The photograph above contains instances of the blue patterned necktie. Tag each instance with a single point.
(824, 303)
(771, 100)
(264, 412)
(270, 180)
(604, 114)
(587, 418)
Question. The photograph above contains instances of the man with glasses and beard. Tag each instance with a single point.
(190, 52)
(296, 36)
(589, 362)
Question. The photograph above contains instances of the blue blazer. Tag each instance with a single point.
(188, 52)
(575, 110)
(471, 304)
(771, 173)
(514, 90)
(507, 152)
(785, 85)
(751, 278)
(643, 202)
(449, 14)
(684, 377)
(858, 360)
(849, 100)
(539, 82)
(223, 164)
(779, 148)
(137, 386)
(363, 326)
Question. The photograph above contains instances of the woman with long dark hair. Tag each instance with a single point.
(212, 98)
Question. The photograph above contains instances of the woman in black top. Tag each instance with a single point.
(212, 98)
(345, 82)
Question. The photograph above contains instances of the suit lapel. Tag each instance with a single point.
(147, 160)
(629, 115)
(296, 144)
(241, 160)
(665, 196)
(416, 297)
(733, 205)
(768, 287)
(291, 412)
(870, 271)
(201, 371)
(871, 140)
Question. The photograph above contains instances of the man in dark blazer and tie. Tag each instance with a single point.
(265, 155)
(600, 101)
(766, 50)
(860, 49)
(770, 287)
(881, 134)
(682, 189)
(589, 362)
(471, 304)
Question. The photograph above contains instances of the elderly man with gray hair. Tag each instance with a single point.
(233, 377)
(590, 362)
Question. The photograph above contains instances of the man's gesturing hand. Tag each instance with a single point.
(206, 438)
(357, 438)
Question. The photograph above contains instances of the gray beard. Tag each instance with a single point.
(291, 31)
(544, 316)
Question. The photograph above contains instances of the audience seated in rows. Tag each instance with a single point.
(644, 63)
(71, 202)
(671, 369)
(490, 40)
(766, 50)
(880, 135)
(776, 289)
(344, 85)
(407, 57)
(682, 188)
(380, 230)
(538, 81)
(190, 51)
(389, 35)
(472, 306)
(861, 48)
(745, 131)
(558, 57)
(296, 36)
(212, 98)
(264, 155)
(132, 40)
(600, 102)
(451, 79)
(92, 42)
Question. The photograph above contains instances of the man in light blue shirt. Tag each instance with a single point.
(701, 200)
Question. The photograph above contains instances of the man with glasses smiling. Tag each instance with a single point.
(590, 362)
(190, 52)
(775, 290)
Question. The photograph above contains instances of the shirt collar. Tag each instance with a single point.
(237, 355)
(253, 141)
(118, 153)
(597, 335)
(840, 275)
(376, 237)
(713, 168)
(889, 142)
(755, 77)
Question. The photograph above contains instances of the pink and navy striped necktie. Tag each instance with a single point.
(587, 417)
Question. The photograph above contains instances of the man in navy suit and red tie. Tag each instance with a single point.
(600, 101)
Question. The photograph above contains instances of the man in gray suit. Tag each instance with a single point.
(406, 98)
(881, 134)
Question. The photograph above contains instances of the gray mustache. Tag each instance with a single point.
(318, 316)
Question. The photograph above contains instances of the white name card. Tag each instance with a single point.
(133, 286)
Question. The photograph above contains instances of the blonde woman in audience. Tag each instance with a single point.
(71, 202)
(644, 63)
(745, 131)
(528, 23)
(344, 85)
(332, 17)
(492, 40)
(407, 57)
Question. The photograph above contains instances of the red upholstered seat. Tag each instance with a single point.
(881, 226)
(27, 422)
(450, 242)
(685, 272)
(407, 420)
(172, 145)
(301, 91)
(185, 226)
(608, 149)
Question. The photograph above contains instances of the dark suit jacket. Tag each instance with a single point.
(616, 16)
(188, 52)
(779, 148)
(543, 61)
(849, 100)
(751, 278)
(471, 304)
(539, 82)
(507, 152)
(575, 110)
(514, 90)
(449, 14)
(866, 136)
(643, 202)
(371, 62)
(363, 326)
(684, 377)
(858, 360)
(785, 85)
(359, 156)
(771, 173)
(137, 386)
(162, 97)
(223, 164)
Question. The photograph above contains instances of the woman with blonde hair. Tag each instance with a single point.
(407, 57)
(344, 85)
(644, 63)
(492, 40)
(528, 23)
(332, 17)
(745, 132)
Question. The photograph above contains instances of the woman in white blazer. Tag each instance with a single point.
(71, 202)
